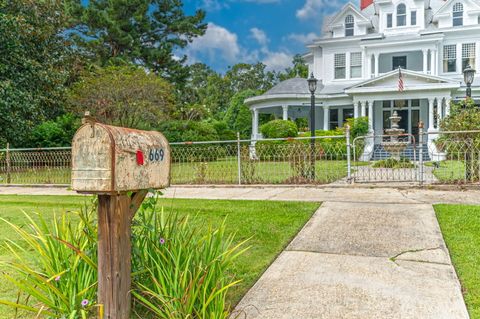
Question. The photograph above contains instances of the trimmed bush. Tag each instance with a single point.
(279, 129)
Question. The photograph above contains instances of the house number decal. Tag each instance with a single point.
(156, 155)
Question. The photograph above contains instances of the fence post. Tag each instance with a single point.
(420, 144)
(9, 164)
(349, 163)
(239, 163)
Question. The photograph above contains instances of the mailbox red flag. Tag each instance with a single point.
(140, 158)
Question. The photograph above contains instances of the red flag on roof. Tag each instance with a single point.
(365, 3)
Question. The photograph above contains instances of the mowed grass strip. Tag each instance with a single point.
(460, 225)
(270, 225)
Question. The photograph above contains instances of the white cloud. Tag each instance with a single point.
(277, 61)
(314, 8)
(216, 40)
(260, 36)
(302, 38)
(215, 5)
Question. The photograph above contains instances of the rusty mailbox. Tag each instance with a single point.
(109, 159)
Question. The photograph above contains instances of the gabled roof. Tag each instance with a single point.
(412, 81)
(445, 8)
(349, 6)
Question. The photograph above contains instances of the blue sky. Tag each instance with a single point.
(269, 31)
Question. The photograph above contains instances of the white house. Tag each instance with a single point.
(357, 59)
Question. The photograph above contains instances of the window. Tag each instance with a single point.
(450, 58)
(333, 119)
(340, 66)
(356, 64)
(401, 15)
(389, 20)
(413, 18)
(399, 62)
(457, 17)
(349, 24)
(468, 55)
(347, 114)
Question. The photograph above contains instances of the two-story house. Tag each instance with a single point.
(357, 60)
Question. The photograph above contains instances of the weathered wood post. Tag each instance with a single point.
(119, 165)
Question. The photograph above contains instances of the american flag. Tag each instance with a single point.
(400, 80)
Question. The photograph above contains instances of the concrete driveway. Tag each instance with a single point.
(361, 260)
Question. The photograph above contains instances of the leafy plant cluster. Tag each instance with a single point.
(279, 129)
(179, 270)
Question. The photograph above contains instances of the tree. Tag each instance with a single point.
(125, 96)
(244, 76)
(464, 116)
(299, 69)
(35, 64)
(144, 32)
(239, 116)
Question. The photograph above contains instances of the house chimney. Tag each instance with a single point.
(365, 3)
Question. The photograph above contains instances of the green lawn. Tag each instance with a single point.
(450, 171)
(270, 224)
(460, 226)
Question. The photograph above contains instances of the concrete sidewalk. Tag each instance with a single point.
(293, 193)
(361, 260)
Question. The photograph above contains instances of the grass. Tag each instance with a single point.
(448, 171)
(270, 224)
(460, 225)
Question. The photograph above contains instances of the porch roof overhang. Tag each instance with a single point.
(412, 82)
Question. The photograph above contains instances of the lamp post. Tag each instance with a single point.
(312, 87)
(468, 75)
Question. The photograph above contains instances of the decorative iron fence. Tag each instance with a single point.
(428, 158)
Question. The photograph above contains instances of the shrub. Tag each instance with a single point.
(55, 133)
(394, 163)
(191, 131)
(279, 129)
(179, 270)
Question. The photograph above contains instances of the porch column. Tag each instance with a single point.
(285, 112)
(376, 64)
(370, 116)
(364, 108)
(447, 105)
(433, 54)
(368, 74)
(355, 109)
(425, 61)
(255, 123)
(326, 117)
(430, 114)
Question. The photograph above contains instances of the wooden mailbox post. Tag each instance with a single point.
(119, 165)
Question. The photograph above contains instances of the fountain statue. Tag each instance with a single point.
(394, 146)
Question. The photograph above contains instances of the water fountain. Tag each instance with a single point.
(394, 146)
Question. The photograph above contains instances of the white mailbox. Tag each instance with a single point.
(109, 159)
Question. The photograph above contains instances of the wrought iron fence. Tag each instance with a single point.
(429, 158)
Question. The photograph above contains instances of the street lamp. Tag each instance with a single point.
(312, 87)
(468, 75)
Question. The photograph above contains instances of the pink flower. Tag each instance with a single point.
(84, 302)
(57, 278)
(162, 241)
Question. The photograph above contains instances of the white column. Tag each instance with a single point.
(285, 112)
(447, 105)
(425, 60)
(432, 62)
(435, 62)
(364, 108)
(355, 109)
(430, 114)
(326, 117)
(376, 64)
(255, 124)
(370, 116)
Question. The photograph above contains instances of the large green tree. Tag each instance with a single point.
(125, 96)
(244, 76)
(35, 64)
(144, 32)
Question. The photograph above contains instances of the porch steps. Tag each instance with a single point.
(379, 153)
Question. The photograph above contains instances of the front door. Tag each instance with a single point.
(399, 61)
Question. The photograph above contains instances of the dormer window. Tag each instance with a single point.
(401, 15)
(349, 24)
(457, 14)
